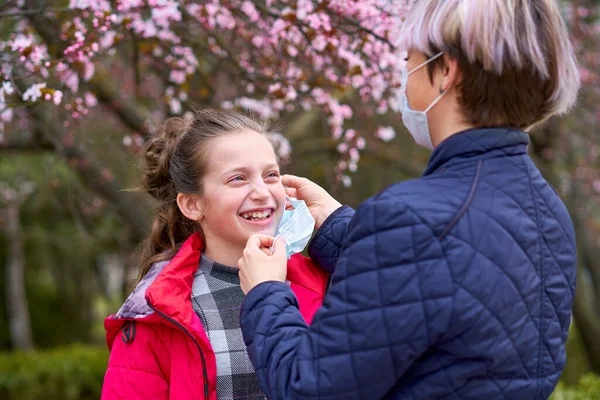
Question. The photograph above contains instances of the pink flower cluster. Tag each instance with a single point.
(290, 54)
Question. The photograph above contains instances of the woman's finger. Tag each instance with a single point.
(293, 181)
(291, 192)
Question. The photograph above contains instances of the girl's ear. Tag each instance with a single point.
(191, 206)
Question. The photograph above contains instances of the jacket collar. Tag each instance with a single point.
(167, 287)
(170, 293)
(478, 143)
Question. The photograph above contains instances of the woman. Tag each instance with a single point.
(177, 336)
(455, 285)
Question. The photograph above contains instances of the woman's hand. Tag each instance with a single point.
(259, 264)
(319, 202)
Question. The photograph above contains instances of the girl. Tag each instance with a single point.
(458, 284)
(177, 336)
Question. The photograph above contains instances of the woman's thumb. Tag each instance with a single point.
(292, 181)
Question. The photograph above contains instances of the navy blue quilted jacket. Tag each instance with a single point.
(456, 285)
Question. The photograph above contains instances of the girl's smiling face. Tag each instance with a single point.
(242, 191)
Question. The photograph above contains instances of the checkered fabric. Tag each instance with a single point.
(217, 297)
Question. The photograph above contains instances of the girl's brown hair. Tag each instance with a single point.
(175, 162)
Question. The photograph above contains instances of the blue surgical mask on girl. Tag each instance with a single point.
(296, 226)
(416, 121)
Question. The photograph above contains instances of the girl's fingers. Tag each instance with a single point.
(260, 241)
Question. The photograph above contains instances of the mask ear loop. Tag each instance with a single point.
(442, 92)
(435, 102)
(272, 248)
(287, 198)
(426, 62)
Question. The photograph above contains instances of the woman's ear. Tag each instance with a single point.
(191, 206)
(451, 74)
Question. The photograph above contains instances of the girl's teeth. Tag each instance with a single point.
(257, 215)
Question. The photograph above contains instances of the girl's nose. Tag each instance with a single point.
(259, 191)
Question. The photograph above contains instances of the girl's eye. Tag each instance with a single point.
(237, 179)
(273, 175)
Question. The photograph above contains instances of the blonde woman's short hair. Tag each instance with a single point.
(518, 65)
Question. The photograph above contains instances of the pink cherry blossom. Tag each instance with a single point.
(386, 133)
(282, 54)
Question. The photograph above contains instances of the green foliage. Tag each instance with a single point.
(64, 237)
(65, 373)
(577, 360)
(77, 371)
(588, 389)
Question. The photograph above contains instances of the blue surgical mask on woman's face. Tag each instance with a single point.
(416, 121)
(296, 226)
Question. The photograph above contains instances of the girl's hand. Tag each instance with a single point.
(259, 264)
(319, 202)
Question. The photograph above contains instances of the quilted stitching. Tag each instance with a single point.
(481, 312)
(324, 244)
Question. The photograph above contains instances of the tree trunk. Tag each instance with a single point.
(586, 295)
(587, 323)
(18, 312)
(586, 302)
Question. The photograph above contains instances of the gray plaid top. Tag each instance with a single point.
(217, 298)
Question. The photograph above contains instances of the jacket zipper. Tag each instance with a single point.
(204, 371)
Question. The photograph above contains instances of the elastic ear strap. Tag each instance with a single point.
(435, 102)
(274, 241)
(426, 62)
(293, 202)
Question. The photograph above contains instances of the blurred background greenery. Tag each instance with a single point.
(69, 221)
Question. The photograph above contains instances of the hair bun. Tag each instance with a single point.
(157, 153)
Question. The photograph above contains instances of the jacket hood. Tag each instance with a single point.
(166, 289)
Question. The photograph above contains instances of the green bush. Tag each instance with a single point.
(65, 373)
(76, 373)
(588, 389)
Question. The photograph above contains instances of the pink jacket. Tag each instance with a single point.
(158, 347)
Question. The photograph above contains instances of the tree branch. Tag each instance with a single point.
(25, 146)
(382, 157)
(127, 110)
(22, 13)
(96, 177)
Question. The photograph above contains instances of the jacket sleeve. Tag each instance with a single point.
(134, 371)
(390, 300)
(325, 246)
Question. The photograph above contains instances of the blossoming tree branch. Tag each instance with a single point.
(277, 57)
